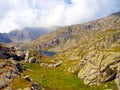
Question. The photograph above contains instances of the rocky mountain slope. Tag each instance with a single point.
(4, 38)
(92, 49)
(27, 34)
(70, 36)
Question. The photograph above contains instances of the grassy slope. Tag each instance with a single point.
(57, 79)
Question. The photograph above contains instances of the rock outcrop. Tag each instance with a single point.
(31, 56)
(101, 62)
(9, 72)
(11, 69)
(100, 68)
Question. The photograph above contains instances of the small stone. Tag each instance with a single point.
(2, 64)
(32, 60)
(35, 86)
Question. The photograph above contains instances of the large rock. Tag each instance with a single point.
(57, 63)
(20, 54)
(35, 86)
(27, 54)
(2, 64)
(100, 68)
(3, 83)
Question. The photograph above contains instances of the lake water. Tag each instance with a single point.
(48, 53)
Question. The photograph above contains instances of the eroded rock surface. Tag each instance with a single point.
(101, 67)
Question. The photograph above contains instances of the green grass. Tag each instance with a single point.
(53, 78)
(20, 83)
(57, 79)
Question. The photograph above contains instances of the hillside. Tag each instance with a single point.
(69, 36)
(87, 58)
(90, 50)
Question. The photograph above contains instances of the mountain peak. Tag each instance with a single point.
(116, 14)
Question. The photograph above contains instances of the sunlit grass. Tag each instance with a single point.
(20, 83)
(57, 79)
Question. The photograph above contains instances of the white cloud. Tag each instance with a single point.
(16, 14)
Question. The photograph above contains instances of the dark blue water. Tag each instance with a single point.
(48, 53)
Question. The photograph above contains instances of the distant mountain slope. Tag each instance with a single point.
(35, 32)
(69, 36)
(27, 34)
(20, 36)
(4, 38)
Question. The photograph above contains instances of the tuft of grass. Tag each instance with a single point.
(20, 83)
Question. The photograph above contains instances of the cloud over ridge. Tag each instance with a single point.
(16, 14)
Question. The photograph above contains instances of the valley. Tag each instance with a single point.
(77, 57)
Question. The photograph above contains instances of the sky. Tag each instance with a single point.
(17, 14)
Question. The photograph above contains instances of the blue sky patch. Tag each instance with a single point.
(68, 1)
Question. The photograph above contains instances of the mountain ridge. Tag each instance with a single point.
(24, 35)
(61, 35)
(4, 38)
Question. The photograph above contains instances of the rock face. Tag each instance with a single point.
(101, 62)
(30, 56)
(7, 75)
(100, 68)
(26, 56)
(11, 69)
(10, 52)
